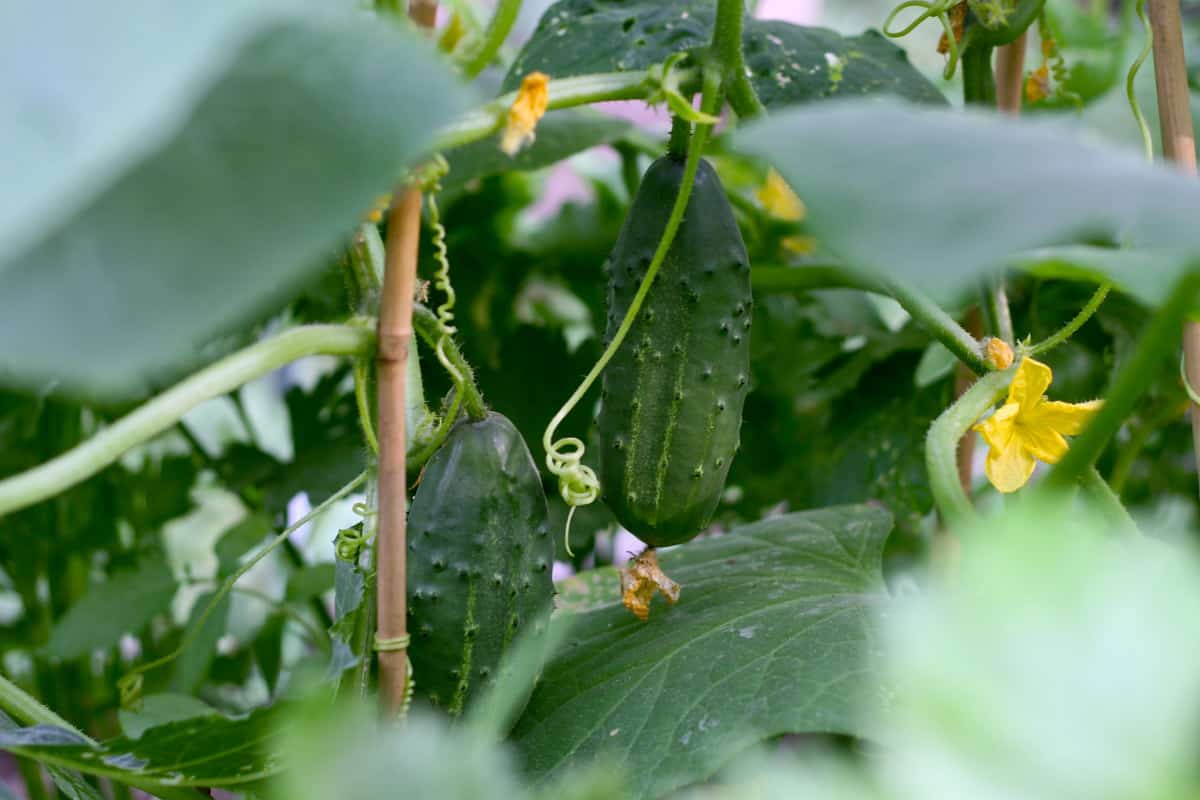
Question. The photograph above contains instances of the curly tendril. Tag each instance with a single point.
(431, 184)
(932, 8)
(1130, 94)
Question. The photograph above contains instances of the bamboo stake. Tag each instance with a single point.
(1010, 75)
(395, 332)
(1179, 146)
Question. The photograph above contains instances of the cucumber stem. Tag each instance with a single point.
(681, 134)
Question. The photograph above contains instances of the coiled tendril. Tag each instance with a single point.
(932, 8)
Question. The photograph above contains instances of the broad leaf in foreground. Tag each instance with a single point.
(774, 633)
(292, 138)
(209, 750)
(941, 198)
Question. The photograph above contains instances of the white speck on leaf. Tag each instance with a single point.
(748, 632)
(614, 731)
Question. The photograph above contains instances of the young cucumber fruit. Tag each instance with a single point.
(479, 559)
(671, 402)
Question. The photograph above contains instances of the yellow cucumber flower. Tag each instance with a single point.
(779, 200)
(1029, 428)
(527, 109)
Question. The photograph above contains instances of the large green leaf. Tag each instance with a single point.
(296, 133)
(122, 604)
(209, 750)
(77, 120)
(773, 634)
(1058, 647)
(559, 134)
(787, 63)
(941, 198)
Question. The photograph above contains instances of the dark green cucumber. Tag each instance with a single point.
(480, 554)
(671, 402)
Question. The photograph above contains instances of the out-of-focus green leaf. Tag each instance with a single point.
(208, 751)
(559, 134)
(122, 604)
(192, 665)
(238, 541)
(310, 581)
(267, 165)
(1055, 627)
(1015, 185)
(773, 634)
(268, 650)
(378, 761)
(787, 63)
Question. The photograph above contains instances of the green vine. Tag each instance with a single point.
(941, 444)
(165, 410)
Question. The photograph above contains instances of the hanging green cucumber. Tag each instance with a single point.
(479, 558)
(671, 402)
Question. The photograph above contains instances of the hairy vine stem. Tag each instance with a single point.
(941, 444)
(727, 39)
(166, 409)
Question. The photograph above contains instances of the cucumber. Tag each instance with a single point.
(672, 396)
(479, 561)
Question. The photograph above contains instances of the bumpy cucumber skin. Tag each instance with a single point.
(672, 396)
(479, 560)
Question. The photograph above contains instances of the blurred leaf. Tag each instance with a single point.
(192, 665)
(787, 63)
(295, 134)
(773, 634)
(1030, 185)
(559, 134)
(349, 754)
(310, 581)
(268, 650)
(1053, 627)
(239, 541)
(78, 119)
(159, 709)
(209, 751)
(122, 604)
(936, 363)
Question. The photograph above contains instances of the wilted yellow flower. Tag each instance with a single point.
(1029, 428)
(779, 200)
(1037, 85)
(526, 110)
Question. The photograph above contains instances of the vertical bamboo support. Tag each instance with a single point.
(1010, 75)
(1179, 146)
(394, 333)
